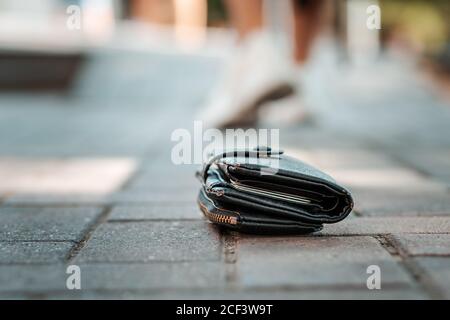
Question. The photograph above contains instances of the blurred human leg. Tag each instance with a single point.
(152, 11)
(307, 20)
(246, 16)
(256, 73)
(190, 22)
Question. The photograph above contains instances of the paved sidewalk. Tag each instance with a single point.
(86, 179)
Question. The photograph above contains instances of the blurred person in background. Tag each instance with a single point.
(259, 72)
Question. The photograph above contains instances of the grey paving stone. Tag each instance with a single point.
(387, 180)
(164, 185)
(113, 279)
(388, 225)
(33, 223)
(13, 296)
(401, 202)
(224, 294)
(51, 199)
(164, 177)
(160, 276)
(424, 244)
(152, 241)
(32, 278)
(310, 137)
(155, 211)
(51, 279)
(130, 196)
(165, 170)
(163, 181)
(314, 261)
(437, 274)
(434, 161)
(312, 293)
(169, 196)
(33, 252)
(329, 159)
(64, 175)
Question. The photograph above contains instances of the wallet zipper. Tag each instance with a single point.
(217, 217)
(220, 218)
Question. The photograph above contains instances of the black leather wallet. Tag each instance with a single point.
(265, 191)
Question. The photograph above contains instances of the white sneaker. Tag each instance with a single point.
(284, 112)
(291, 110)
(258, 72)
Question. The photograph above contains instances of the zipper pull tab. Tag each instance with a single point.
(263, 151)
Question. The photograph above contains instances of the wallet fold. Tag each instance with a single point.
(262, 191)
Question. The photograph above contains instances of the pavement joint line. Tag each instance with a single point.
(425, 281)
(369, 234)
(21, 264)
(24, 295)
(217, 289)
(141, 262)
(37, 241)
(431, 255)
(346, 235)
(230, 241)
(100, 203)
(331, 287)
(190, 220)
(397, 251)
(53, 205)
(420, 215)
(156, 220)
(103, 216)
(388, 245)
(141, 203)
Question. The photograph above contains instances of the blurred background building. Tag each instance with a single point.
(413, 28)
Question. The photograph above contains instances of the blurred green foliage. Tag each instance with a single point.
(217, 14)
(425, 22)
